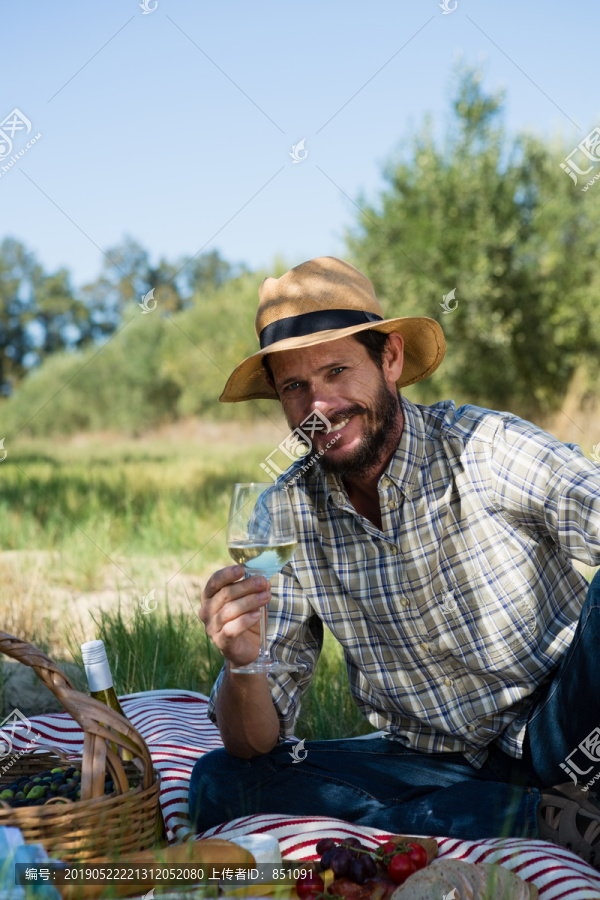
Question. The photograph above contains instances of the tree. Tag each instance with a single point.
(42, 314)
(499, 223)
(152, 372)
(39, 314)
(126, 277)
(208, 271)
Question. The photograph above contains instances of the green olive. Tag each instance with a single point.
(36, 792)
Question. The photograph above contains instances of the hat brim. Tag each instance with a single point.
(424, 349)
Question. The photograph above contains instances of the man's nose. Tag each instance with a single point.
(322, 400)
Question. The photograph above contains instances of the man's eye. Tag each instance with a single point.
(291, 387)
(337, 370)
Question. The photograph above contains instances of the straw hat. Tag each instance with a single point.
(323, 300)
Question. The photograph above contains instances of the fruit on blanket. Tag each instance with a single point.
(385, 849)
(326, 858)
(324, 845)
(310, 885)
(418, 854)
(401, 867)
(340, 861)
(363, 874)
(362, 868)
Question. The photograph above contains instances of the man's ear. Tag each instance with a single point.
(393, 358)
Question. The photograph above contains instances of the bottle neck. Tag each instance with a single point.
(99, 676)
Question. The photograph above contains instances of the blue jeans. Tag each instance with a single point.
(384, 785)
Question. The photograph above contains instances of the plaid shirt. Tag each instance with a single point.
(462, 605)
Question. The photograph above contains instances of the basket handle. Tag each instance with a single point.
(94, 718)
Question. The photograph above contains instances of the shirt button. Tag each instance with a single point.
(340, 499)
(425, 647)
(471, 728)
(448, 682)
(391, 504)
(404, 601)
(394, 550)
(385, 481)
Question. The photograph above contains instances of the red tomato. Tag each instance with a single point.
(418, 854)
(400, 867)
(388, 847)
(310, 885)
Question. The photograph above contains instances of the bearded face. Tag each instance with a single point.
(379, 422)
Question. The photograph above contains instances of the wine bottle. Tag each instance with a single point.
(101, 684)
(101, 688)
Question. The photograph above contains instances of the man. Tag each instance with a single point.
(435, 544)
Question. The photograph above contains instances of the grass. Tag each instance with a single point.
(120, 500)
(165, 650)
(87, 522)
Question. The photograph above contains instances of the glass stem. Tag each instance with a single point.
(262, 653)
(263, 633)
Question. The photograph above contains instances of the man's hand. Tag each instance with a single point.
(230, 611)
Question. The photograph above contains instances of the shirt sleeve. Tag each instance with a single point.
(547, 486)
(295, 635)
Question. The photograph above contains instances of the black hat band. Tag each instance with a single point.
(308, 323)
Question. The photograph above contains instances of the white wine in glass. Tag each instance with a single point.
(261, 537)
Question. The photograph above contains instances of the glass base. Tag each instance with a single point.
(264, 665)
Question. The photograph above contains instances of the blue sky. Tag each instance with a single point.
(175, 127)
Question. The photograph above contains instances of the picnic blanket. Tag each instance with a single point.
(177, 731)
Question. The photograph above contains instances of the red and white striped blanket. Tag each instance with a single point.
(177, 731)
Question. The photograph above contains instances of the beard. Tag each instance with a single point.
(381, 426)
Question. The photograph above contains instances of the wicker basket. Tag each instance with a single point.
(96, 825)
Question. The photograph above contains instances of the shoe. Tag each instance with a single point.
(570, 817)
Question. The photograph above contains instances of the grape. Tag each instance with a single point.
(325, 844)
(369, 865)
(352, 844)
(340, 860)
(356, 871)
(326, 858)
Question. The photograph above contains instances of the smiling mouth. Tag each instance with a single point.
(340, 425)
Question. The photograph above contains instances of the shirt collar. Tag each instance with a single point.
(405, 464)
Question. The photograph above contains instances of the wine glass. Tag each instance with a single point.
(261, 536)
